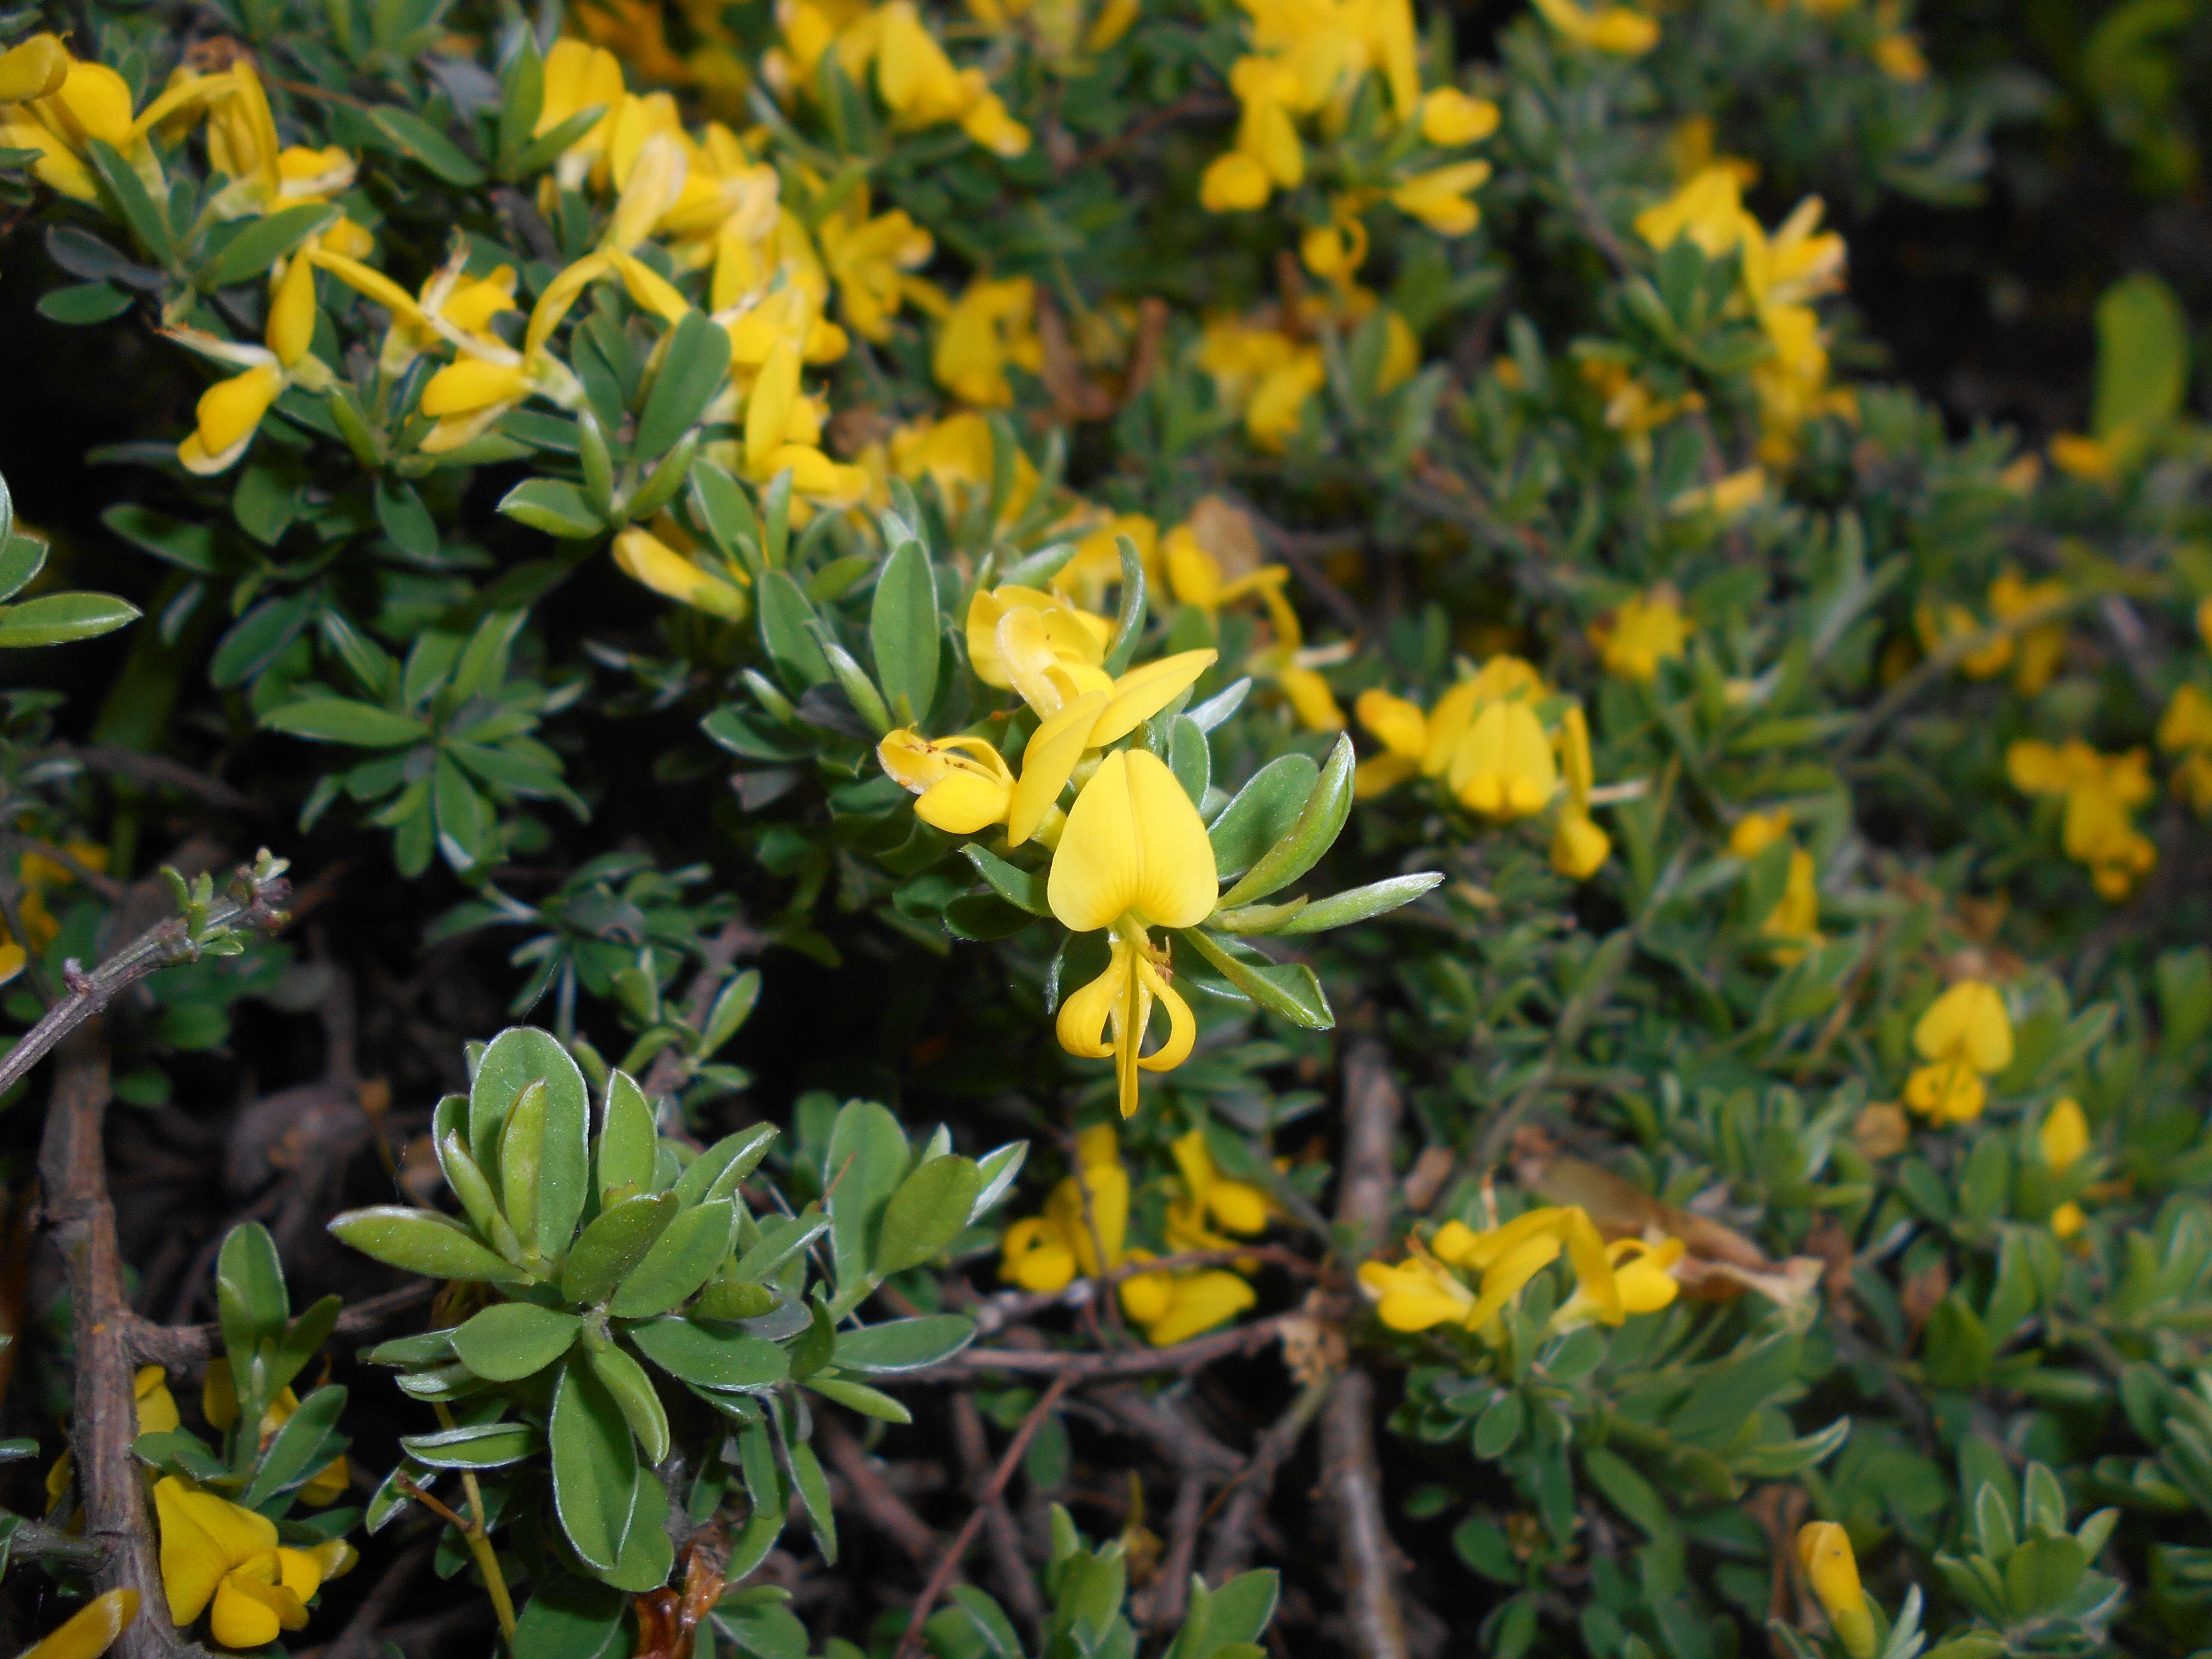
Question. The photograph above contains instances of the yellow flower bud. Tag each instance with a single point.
(1823, 1549)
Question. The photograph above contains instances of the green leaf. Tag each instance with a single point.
(62, 619)
(786, 630)
(1023, 889)
(1318, 822)
(616, 1241)
(628, 1143)
(719, 504)
(595, 1473)
(304, 1445)
(474, 1446)
(2041, 1573)
(681, 1261)
(80, 304)
(814, 1492)
(1264, 812)
(342, 720)
(648, 1553)
(252, 1303)
(413, 136)
(715, 1173)
(572, 1618)
(514, 1059)
(904, 631)
(1189, 758)
(401, 515)
(733, 1005)
(419, 1241)
(554, 506)
(902, 1345)
(264, 242)
(147, 220)
(928, 1212)
(2142, 357)
(867, 1161)
(464, 821)
(859, 1397)
(22, 557)
(1289, 989)
(1129, 621)
(1358, 904)
(711, 1356)
(693, 367)
(510, 1340)
(633, 1392)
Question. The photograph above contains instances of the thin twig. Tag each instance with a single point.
(941, 1576)
(80, 1220)
(244, 903)
(885, 1510)
(356, 1639)
(1016, 1584)
(1182, 1356)
(175, 1346)
(1351, 1474)
(159, 769)
(1247, 1494)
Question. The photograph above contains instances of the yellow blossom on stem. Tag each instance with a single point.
(2063, 1139)
(1964, 1036)
(1439, 197)
(2040, 649)
(1644, 1278)
(1796, 918)
(1210, 1200)
(264, 175)
(1824, 1550)
(213, 1552)
(1621, 30)
(1707, 207)
(1404, 731)
(2101, 792)
(579, 77)
(1639, 634)
(218, 1405)
(1428, 1289)
(647, 559)
(64, 104)
(869, 258)
(1135, 856)
(1263, 373)
(1449, 118)
(1578, 846)
(991, 326)
(1084, 1230)
(230, 411)
(964, 783)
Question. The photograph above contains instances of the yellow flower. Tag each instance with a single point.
(963, 782)
(1084, 579)
(579, 77)
(991, 325)
(242, 144)
(92, 1630)
(1578, 846)
(1135, 856)
(1643, 1276)
(869, 258)
(2041, 648)
(2064, 1136)
(2187, 722)
(451, 304)
(1084, 1229)
(1175, 1307)
(213, 1551)
(1438, 198)
(1707, 207)
(62, 105)
(33, 69)
(1796, 918)
(1641, 632)
(647, 559)
(1964, 1037)
(1824, 1550)
(1287, 662)
(1263, 373)
(156, 1414)
(1085, 1222)
(218, 1405)
(1504, 767)
(1209, 1197)
(1621, 30)
(918, 82)
(1404, 730)
(1423, 1291)
(1897, 51)
(230, 410)
(1728, 499)
(1449, 118)
(956, 454)
(2062, 1139)
(2101, 792)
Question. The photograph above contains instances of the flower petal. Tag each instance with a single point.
(1133, 842)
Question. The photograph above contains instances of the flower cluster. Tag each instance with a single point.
(1465, 1279)
(2101, 793)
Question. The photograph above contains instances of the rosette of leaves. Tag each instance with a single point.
(634, 1311)
(267, 1349)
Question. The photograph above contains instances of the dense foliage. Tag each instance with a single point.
(1105, 795)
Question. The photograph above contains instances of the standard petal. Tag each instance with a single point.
(1097, 870)
(1143, 692)
(1178, 881)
